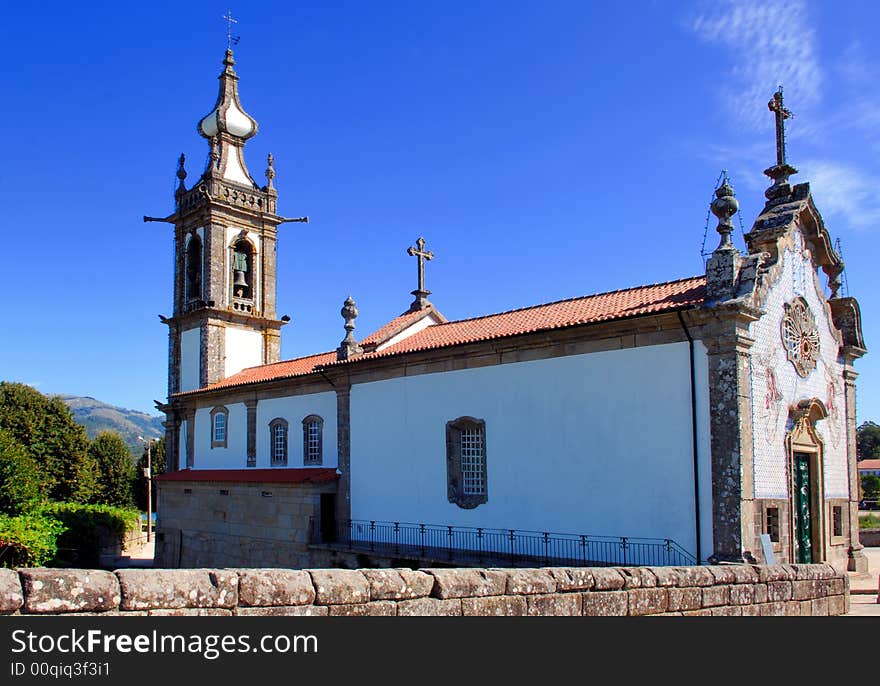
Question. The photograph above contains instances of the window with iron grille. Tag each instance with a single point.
(837, 520)
(466, 470)
(772, 524)
(219, 427)
(313, 440)
(278, 442)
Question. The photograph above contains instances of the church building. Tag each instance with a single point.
(707, 418)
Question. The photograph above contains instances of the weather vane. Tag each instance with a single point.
(230, 39)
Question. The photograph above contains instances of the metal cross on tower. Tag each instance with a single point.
(776, 106)
(230, 39)
(782, 169)
(421, 294)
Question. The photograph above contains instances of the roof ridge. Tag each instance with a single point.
(565, 300)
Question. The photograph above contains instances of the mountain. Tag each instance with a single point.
(96, 417)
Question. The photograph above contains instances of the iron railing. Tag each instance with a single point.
(515, 547)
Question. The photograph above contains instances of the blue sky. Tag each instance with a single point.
(544, 149)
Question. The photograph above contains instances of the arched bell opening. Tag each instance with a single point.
(193, 279)
(243, 276)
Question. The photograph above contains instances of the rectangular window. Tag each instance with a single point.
(279, 444)
(837, 520)
(313, 443)
(772, 524)
(472, 458)
(220, 428)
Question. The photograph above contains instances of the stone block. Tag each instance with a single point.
(744, 574)
(378, 608)
(723, 574)
(778, 591)
(796, 608)
(694, 576)
(714, 596)
(11, 598)
(726, 611)
(398, 584)
(637, 577)
(761, 595)
(772, 609)
(647, 601)
(339, 586)
(768, 573)
(467, 583)
(697, 613)
(606, 579)
(667, 577)
(836, 605)
(684, 599)
(530, 582)
(157, 589)
(819, 607)
(807, 589)
(572, 578)
(494, 606)
(605, 603)
(836, 586)
(68, 590)
(275, 587)
(817, 571)
(742, 594)
(292, 611)
(555, 605)
(750, 610)
(429, 607)
(191, 612)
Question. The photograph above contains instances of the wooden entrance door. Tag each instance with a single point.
(803, 508)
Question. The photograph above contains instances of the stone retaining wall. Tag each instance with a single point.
(754, 590)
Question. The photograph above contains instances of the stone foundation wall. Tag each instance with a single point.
(738, 590)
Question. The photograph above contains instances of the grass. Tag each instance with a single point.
(869, 521)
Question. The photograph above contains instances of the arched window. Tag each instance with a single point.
(278, 442)
(313, 440)
(243, 270)
(219, 427)
(193, 285)
(466, 473)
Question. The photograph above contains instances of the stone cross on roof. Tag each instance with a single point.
(230, 39)
(421, 294)
(782, 169)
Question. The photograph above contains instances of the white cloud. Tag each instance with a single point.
(844, 192)
(771, 43)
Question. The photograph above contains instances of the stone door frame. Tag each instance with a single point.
(803, 438)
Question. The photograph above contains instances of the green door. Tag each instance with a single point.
(803, 529)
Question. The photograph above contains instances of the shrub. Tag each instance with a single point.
(21, 483)
(86, 528)
(28, 540)
(115, 469)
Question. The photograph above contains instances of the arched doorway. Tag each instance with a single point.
(805, 482)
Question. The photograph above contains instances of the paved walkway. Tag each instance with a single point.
(864, 587)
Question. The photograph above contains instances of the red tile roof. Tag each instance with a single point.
(869, 464)
(602, 307)
(398, 324)
(308, 475)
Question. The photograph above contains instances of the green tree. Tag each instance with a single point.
(45, 427)
(157, 459)
(22, 485)
(868, 441)
(115, 469)
(870, 487)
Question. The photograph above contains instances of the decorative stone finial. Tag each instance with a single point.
(270, 171)
(349, 347)
(724, 206)
(779, 172)
(421, 301)
(215, 152)
(181, 175)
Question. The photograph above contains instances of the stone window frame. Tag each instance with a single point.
(306, 422)
(275, 423)
(454, 491)
(220, 409)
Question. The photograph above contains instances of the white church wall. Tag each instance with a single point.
(244, 348)
(594, 444)
(294, 409)
(234, 455)
(190, 354)
(776, 385)
(704, 447)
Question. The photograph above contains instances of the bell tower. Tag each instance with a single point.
(225, 230)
